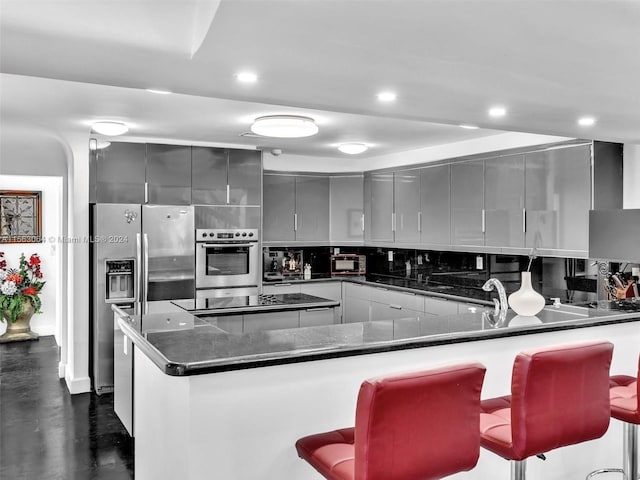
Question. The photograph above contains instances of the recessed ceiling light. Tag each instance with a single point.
(158, 91)
(284, 126)
(246, 77)
(387, 96)
(352, 148)
(497, 111)
(586, 121)
(110, 128)
(469, 127)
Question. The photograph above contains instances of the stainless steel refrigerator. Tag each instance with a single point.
(141, 255)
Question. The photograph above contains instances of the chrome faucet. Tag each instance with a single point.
(501, 306)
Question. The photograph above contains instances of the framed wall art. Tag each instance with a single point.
(20, 216)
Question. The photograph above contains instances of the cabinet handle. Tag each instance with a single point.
(319, 309)
(228, 194)
(524, 220)
(362, 216)
(282, 285)
(295, 222)
(395, 307)
(146, 192)
(483, 221)
(381, 288)
(419, 221)
(393, 222)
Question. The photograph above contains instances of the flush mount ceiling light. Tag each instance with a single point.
(284, 126)
(469, 127)
(110, 129)
(586, 121)
(352, 148)
(158, 91)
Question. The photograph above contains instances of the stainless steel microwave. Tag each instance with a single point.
(348, 264)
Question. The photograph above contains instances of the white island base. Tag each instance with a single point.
(243, 424)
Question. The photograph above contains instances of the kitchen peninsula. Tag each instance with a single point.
(208, 399)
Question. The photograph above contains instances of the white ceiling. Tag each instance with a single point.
(66, 63)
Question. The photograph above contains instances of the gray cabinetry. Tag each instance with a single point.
(312, 208)
(435, 205)
(120, 173)
(504, 201)
(381, 211)
(296, 208)
(168, 174)
(270, 321)
(558, 198)
(406, 204)
(279, 207)
(467, 202)
(346, 214)
(366, 187)
(226, 176)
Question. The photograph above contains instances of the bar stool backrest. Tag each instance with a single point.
(423, 425)
(560, 396)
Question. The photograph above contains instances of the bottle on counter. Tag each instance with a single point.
(307, 271)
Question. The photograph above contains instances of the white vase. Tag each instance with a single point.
(526, 302)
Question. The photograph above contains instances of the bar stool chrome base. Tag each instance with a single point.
(630, 457)
(519, 469)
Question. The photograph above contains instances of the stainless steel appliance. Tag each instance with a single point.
(142, 254)
(227, 260)
(348, 264)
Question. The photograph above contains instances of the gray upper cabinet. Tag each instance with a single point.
(504, 201)
(367, 207)
(168, 174)
(382, 218)
(435, 205)
(245, 177)
(346, 214)
(209, 175)
(406, 204)
(467, 203)
(296, 208)
(312, 208)
(226, 176)
(558, 198)
(120, 173)
(279, 207)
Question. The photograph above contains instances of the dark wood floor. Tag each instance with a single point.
(46, 433)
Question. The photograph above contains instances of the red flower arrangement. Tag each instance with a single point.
(20, 285)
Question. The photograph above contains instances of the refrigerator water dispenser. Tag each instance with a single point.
(120, 280)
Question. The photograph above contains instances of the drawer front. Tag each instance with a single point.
(356, 290)
(313, 317)
(398, 299)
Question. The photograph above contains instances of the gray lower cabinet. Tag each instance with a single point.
(270, 321)
(435, 205)
(347, 209)
(120, 173)
(406, 204)
(313, 317)
(168, 174)
(467, 203)
(331, 290)
(558, 198)
(504, 201)
(381, 218)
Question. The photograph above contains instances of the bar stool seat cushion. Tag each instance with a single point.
(623, 395)
(330, 452)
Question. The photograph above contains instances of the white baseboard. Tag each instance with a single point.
(78, 385)
(62, 368)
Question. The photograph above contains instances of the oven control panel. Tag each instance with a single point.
(226, 235)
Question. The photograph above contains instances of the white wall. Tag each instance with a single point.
(631, 179)
(358, 163)
(49, 321)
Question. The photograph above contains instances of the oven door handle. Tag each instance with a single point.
(207, 245)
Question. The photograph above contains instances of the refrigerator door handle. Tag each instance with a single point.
(139, 284)
(145, 267)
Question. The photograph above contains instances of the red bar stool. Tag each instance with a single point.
(412, 426)
(624, 407)
(559, 397)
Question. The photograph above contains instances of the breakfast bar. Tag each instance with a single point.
(209, 399)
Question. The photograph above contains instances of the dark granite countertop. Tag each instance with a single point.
(181, 344)
(253, 303)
